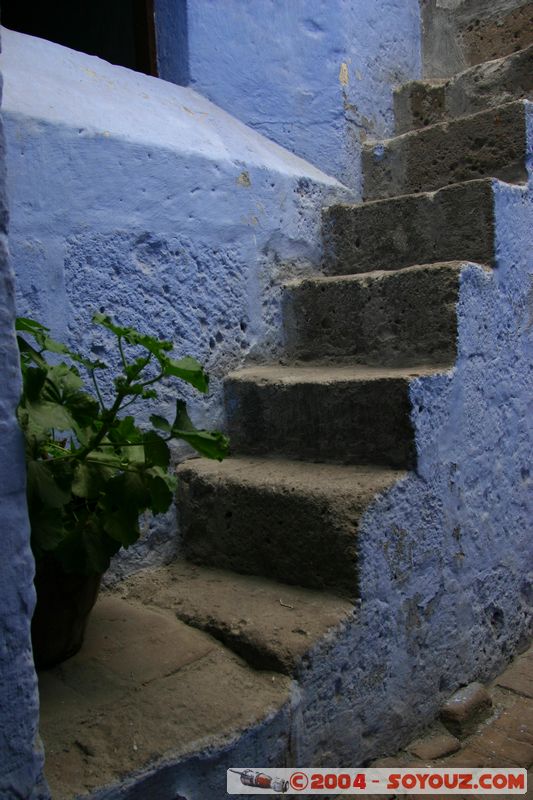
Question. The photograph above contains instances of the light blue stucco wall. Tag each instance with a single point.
(316, 76)
(21, 760)
(140, 198)
(446, 565)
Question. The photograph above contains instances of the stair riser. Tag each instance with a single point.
(298, 538)
(343, 422)
(498, 35)
(452, 224)
(490, 144)
(417, 104)
(468, 32)
(401, 318)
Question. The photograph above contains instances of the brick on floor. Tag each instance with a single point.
(519, 676)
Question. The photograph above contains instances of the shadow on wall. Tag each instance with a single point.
(315, 77)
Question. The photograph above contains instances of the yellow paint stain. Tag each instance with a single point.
(251, 220)
(244, 180)
(97, 77)
(344, 77)
(195, 113)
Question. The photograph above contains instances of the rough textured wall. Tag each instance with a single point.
(313, 75)
(447, 554)
(460, 33)
(20, 759)
(140, 198)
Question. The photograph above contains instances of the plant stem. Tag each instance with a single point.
(95, 383)
(123, 357)
(107, 419)
(153, 380)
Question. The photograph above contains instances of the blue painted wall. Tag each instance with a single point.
(152, 204)
(313, 75)
(20, 758)
(446, 565)
(147, 201)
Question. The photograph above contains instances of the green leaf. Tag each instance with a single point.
(90, 479)
(45, 342)
(34, 379)
(125, 430)
(156, 452)
(182, 421)
(155, 346)
(47, 529)
(108, 458)
(125, 498)
(211, 444)
(123, 526)
(134, 369)
(29, 355)
(124, 388)
(88, 485)
(126, 491)
(63, 378)
(42, 417)
(43, 484)
(161, 487)
(28, 325)
(87, 548)
(160, 423)
(188, 369)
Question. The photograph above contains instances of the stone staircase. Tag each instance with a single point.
(317, 438)
(272, 564)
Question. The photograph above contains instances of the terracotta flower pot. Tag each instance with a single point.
(64, 602)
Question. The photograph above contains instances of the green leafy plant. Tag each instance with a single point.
(91, 469)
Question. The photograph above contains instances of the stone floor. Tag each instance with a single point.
(144, 688)
(480, 727)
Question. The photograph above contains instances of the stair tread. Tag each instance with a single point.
(444, 125)
(420, 103)
(173, 690)
(398, 198)
(488, 143)
(378, 274)
(283, 474)
(332, 373)
(287, 520)
(270, 624)
(455, 222)
(472, 70)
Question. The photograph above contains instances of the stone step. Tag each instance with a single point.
(401, 318)
(418, 104)
(456, 222)
(132, 713)
(491, 143)
(293, 521)
(269, 624)
(462, 33)
(336, 414)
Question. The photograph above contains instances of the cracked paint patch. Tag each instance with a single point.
(344, 76)
(244, 179)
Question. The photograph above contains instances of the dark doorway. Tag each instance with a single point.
(120, 31)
